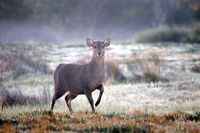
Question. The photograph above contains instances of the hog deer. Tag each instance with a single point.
(82, 79)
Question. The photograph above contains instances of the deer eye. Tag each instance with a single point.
(95, 46)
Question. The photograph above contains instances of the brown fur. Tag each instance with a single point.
(81, 79)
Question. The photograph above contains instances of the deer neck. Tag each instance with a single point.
(97, 64)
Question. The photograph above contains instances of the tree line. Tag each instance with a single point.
(130, 13)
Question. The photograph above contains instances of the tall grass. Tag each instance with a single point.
(149, 68)
(14, 64)
(113, 72)
(12, 96)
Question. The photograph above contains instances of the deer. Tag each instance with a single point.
(77, 79)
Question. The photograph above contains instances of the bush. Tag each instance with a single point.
(170, 34)
(163, 34)
(194, 34)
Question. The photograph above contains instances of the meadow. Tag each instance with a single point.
(148, 88)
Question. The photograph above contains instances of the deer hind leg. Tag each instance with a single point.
(55, 97)
(3, 104)
(53, 103)
(68, 100)
(101, 88)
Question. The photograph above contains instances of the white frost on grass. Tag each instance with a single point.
(125, 98)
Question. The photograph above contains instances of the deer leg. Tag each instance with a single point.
(2, 106)
(53, 103)
(90, 99)
(55, 97)
(101, 88)
(68, 100)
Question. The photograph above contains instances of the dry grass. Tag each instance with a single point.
(113, 72)
(12, 96)
(151, 67)
(14, 64)
(125, 107)
(137, 121)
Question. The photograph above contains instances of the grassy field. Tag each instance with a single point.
(160, 92)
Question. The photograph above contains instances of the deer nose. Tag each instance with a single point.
(99, 53)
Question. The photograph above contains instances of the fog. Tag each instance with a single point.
(23, 32)
(50, 21)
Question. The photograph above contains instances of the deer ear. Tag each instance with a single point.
(90, 42)
(106, 42)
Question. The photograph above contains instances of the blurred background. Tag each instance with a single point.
(52, 21)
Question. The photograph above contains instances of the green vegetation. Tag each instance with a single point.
(163, 34)
(170, 34)
(51, 21)
(194, 34)
(128, 12)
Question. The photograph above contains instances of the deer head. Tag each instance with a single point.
(98, 46)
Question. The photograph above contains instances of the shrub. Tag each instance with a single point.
(163, 34)
(194, 34)
(170, 34)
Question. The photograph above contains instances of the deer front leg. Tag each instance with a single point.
(90, 99)
(101, 88)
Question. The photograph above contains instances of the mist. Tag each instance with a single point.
(24, 32)
(49, 21)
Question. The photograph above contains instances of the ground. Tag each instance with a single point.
(133, 105)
